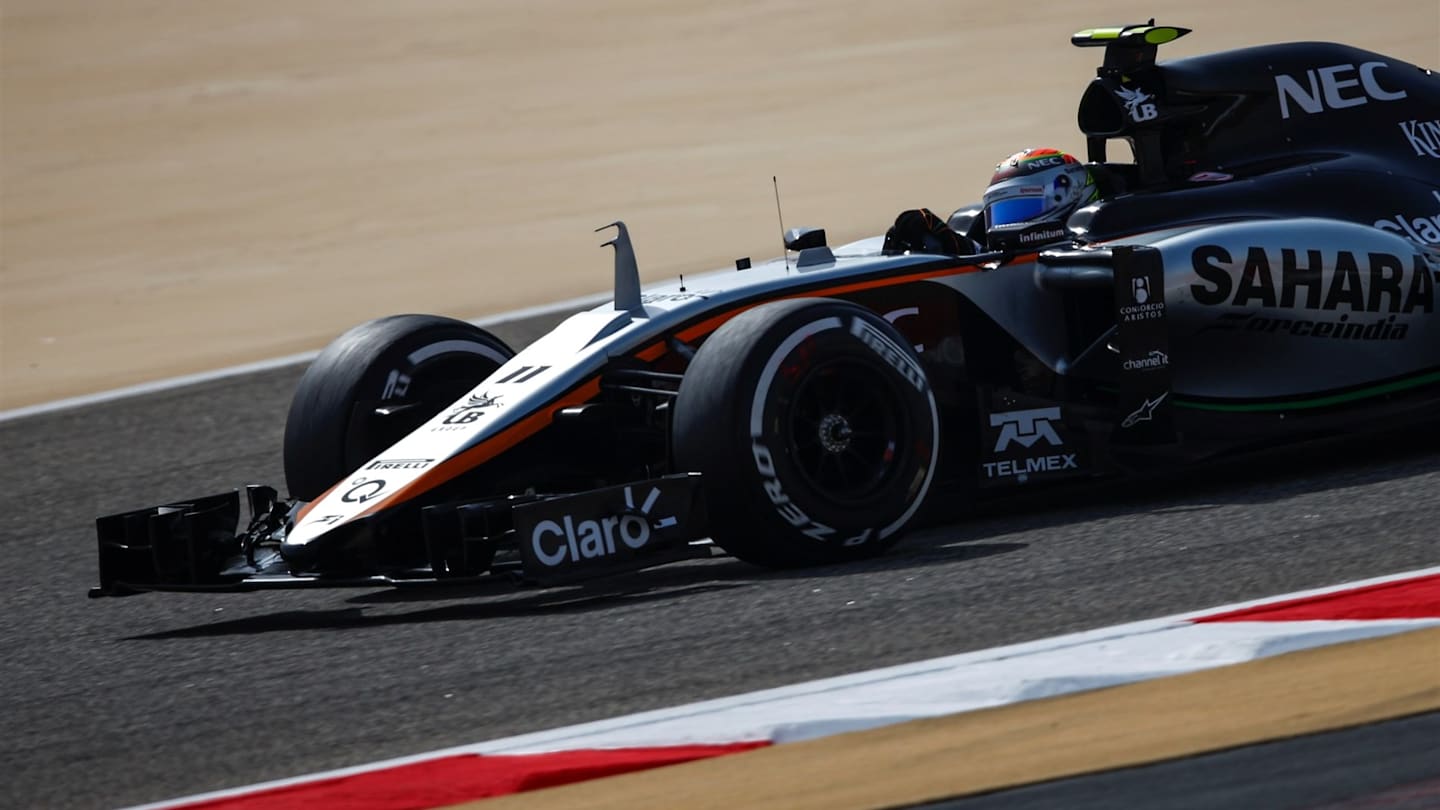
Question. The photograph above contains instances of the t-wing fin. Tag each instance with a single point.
(627, 272)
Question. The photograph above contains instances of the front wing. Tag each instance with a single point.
(193, 546)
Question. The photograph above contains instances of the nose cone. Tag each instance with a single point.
(344, 547)
(303, 554)
(347, 549)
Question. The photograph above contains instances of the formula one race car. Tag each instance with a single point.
(1264, 271)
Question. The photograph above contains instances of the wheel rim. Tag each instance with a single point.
(846, 431)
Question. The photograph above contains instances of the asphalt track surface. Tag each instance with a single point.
(121, 701)
(1391, 765)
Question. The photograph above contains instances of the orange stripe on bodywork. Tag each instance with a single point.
(458, 465)
(535, 422)
(652, 352)
(305, 510)
(710, 325)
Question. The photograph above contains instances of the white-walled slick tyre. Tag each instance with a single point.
(373, 385)
(815, 428)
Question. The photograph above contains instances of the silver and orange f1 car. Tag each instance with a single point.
(1264, 271)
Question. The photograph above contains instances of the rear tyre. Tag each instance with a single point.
(412, 366)
(815, 428)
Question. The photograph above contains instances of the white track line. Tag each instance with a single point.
(171, 383)
(571, 736)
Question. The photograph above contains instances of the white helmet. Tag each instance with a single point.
(1037, 186)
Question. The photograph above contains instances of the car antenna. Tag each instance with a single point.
(784, 251)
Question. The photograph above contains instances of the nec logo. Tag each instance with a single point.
(1335, 87)
(1025, 427)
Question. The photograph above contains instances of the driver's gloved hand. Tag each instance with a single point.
(919, 230)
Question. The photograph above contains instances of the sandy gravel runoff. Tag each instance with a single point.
(194, 184)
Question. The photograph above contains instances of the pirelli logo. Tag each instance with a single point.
(400, 464)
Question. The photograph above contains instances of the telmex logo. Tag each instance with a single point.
(1025, 428)
(1312, 279)
(1022, 468)
(1335, 87)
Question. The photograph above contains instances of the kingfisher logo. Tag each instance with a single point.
(1423, 136)
(1025, 428)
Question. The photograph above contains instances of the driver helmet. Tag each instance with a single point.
(1037, 186)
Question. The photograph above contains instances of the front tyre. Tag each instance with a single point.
(373, 386)
(815, 428)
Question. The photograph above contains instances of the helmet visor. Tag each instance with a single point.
(1013, 210)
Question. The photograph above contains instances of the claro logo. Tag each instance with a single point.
(1422, 228)
(568, 541)
(1335, 87)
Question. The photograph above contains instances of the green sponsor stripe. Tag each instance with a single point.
(1098, 33)
(1318, 402)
